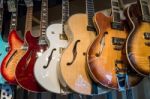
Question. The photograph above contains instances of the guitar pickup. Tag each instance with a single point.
(147, 44)
(63, 36)
(147, 36)
(118, 41)
(116, 25)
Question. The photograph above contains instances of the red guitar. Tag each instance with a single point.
(36, 46)
(7, 66)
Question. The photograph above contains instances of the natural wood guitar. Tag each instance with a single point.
(106, 57)
(73, 65)
(138, 42)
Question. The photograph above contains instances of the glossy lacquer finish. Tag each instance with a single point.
(73, 65)
(137, 48)
(3, 53)
(8, 65)
(24, 71)
(102, 56)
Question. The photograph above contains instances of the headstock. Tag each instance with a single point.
(29, 3)
(11, 5)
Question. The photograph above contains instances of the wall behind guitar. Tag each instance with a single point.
(142, 91)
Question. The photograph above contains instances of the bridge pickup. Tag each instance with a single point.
(63, 36)
(61, 50)
(118, 41)
(147, 36)
(117, 25)
(147, 44)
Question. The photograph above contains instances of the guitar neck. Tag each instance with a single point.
(116, 17)
(28, 26)
(44, 17)
(145, 10)
(13, 23)
(65, 11)
(1, 19)
(90, 12)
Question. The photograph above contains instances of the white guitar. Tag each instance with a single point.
(46, 66)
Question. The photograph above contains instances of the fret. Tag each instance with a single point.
(44, 17)
(90, 13)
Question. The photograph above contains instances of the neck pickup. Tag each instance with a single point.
(117, 25)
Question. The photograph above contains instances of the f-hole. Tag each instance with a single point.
(74, 52)
(49, 58)
(11, 58)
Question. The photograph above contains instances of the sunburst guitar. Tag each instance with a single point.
(3, 44)
(9, 62)
(138, 42)
(106, 62)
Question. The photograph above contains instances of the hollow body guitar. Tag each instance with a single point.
(46, 66)
(3, 53)
(36, 46)
(138, 43)
(73, 66)
(8, 65)
(25, 66)
(105, 55)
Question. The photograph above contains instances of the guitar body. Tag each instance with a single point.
(73, 66)
(3, 53)
(46, 66)
(137, 47)
(24, 71)
(102, 55)
(10, 61)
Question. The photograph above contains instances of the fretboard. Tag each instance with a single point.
(1, 19)
(44, 16)
(28, 26)
(65, 11)
(90, 12)
(115, 11)
(145, 10)
(13, 23)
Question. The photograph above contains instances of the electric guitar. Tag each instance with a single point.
(3, 44)
(36, 46)
(106, 63)
(8, 64)
(46, 66)
(73, 65)
(138, 42)
(28, 27)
